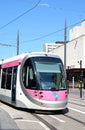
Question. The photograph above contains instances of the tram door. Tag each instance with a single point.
(14, 78)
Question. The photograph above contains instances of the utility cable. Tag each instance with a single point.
(9, 45)
(21, 15)
(52, 33)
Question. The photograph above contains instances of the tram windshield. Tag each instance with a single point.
(50, 73)
(43, 73)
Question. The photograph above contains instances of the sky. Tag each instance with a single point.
(38, 22)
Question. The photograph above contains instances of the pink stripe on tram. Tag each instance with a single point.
(12, 63)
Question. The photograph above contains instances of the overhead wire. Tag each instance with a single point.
(10, 45)
(38, 38)
(52, 33)
(13, 20)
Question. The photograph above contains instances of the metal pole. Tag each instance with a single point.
(65, 46)
(73, 82)
(80, 64)
(81, 75)
(18, 43)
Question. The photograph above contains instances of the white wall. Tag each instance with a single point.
(59, 51)
(75, 51)
(75, 47)
(75, 32)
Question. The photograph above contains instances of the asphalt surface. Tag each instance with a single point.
(7, 123)
(77, 93)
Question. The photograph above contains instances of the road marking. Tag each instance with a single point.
(42, 124)
(74, 99)
(76, 110)
(60, 120)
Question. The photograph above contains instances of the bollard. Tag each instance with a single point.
(80, 87)
(67, 84)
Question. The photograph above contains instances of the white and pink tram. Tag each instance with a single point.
(34, 81)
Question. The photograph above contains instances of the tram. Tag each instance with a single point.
(34, 80)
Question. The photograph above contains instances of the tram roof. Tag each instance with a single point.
(30, 54)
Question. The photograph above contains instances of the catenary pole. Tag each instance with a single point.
(18, 43)
(65, 46)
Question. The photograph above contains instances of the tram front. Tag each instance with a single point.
(44, 80)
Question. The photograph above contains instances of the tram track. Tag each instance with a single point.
(50, 126)
(46, 122)
(77, 104)
(74, 119)
(19, 118)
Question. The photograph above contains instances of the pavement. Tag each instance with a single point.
(7, 123)
(77, 93)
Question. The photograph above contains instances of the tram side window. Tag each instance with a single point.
(31, 78)
(28, 76)
(6, 78)
(9, 76)
(3, 83)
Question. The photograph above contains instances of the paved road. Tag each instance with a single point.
(6, 122)
(76, 93)
(12, 119)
